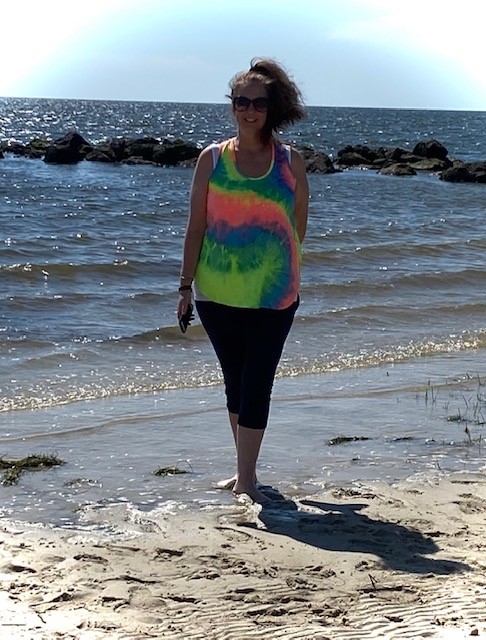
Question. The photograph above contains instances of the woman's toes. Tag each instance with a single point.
(228, 483)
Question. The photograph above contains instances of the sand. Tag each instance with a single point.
(368, 561)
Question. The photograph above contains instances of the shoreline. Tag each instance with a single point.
(401, 560)
(386, 423)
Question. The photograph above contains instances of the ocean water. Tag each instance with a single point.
(94, 367)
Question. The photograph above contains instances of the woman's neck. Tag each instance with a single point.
(250, 143)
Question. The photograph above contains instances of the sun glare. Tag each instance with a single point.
(42, 30)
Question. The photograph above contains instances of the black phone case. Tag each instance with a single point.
(186, 318)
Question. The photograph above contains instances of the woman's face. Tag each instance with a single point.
(250, 105)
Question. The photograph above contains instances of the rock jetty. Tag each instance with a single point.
(427, 155)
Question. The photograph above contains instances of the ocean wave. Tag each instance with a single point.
(338, 281)
(37, 352)
(375, 357)
(394, 251)
(116, 267)
(164, 333)
(44, 394)
(35, 302)
(393, 312)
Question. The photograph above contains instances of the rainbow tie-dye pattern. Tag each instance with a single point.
(251, 253)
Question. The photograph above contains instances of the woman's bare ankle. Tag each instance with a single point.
(251, 491)
(229, 483)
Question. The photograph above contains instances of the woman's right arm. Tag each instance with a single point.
(196, 225)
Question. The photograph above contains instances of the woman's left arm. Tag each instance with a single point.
(301, 206)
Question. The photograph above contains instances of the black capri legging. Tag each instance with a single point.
(248, 344)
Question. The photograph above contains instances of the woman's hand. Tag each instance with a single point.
(185, 298)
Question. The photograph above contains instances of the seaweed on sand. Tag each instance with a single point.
(169, 471)
(173, 471)
(342, 439)
(14, 468)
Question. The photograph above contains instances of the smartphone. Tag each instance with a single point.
(185, 319)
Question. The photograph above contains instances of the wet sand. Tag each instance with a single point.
(396, 421)
(375, 560)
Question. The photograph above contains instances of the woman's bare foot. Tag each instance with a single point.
(252, 492)
(229, 483)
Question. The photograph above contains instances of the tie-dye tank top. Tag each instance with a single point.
(250, 256)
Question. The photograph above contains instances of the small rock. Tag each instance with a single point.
(398, 169)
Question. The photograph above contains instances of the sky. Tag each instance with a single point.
(423, 54)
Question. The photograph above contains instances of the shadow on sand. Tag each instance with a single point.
(343, 527)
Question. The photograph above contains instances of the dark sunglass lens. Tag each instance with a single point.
(260, 104)
(241, 102)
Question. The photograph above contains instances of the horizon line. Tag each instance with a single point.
(204, 102)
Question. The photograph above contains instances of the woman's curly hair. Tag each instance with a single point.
(285, 99)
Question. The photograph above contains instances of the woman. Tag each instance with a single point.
(248, 217)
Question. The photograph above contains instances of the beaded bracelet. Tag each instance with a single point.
(185, 287)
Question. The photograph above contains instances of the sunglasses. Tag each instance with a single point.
(241, 103)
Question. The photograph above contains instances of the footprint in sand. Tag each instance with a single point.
(471, 503)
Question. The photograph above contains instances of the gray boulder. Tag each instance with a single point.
(140, 148)
(316, 161)
(137, 160)
(398, 169)
(108, 151)
(360, 156)
(98, 155)
(431, 164)
(430, 149)
(36, 148)
(69, 149)
(17, 148)
(399, 155)
(174, 152)
(465, 172)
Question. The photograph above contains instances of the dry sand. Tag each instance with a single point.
(373, 561)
